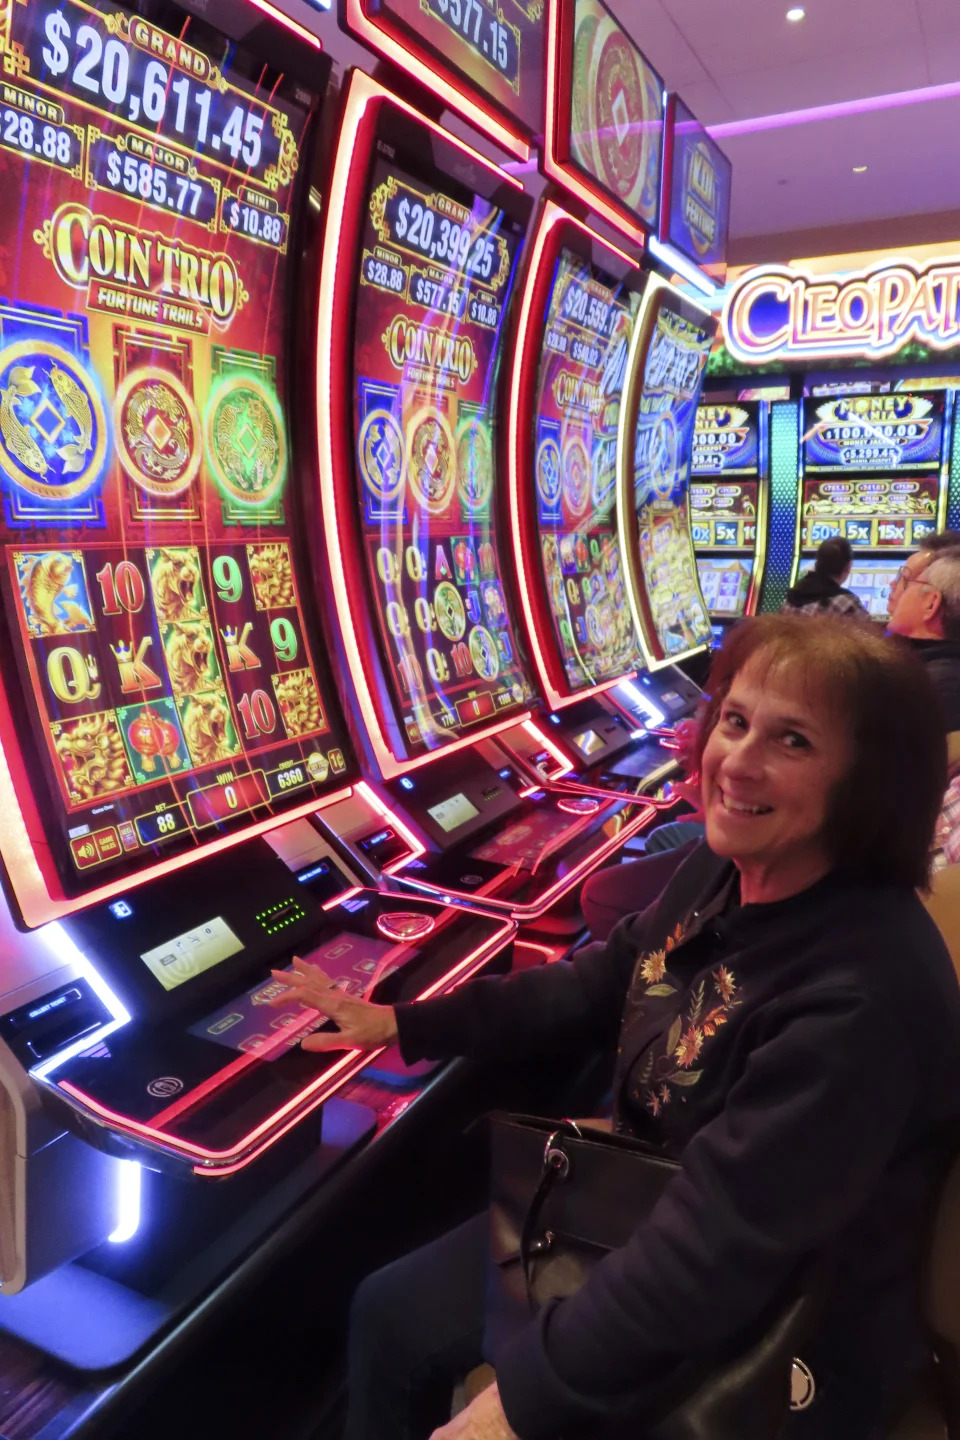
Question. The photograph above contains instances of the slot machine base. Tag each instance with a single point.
(101, 1312)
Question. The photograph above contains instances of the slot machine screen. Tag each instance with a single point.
(871, 580)
(673, 373)
(499, 48)
(436, 273)
(700, 182)
(873, 432)
(583, 362)
(617, 112)
(725, 584)
(152, 606)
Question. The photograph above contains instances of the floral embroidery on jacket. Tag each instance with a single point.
(709, 1007)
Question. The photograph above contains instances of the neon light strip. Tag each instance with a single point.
(565, 764)
(68, 953)
(321, 1090)
(417, 846)
(340, 899)
(129, 1178)
(684, 267)
(894, 100)
(286, 22)
(642, 703)
(437, 80)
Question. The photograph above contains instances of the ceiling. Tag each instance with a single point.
(735, 60)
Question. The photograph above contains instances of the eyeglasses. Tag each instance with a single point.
(904, 578)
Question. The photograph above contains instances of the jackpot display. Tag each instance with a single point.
(583, 363)
(899, 431)
(673, 373)
(498, 47)
(699, 180)
(437, 268)
(150, 587)
(617, 112)
(724, 488)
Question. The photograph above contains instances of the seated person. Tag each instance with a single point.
(785, 1022)
(925, 611)
(821, 589)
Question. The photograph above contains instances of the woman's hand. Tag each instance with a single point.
(362, 1026)
(483, 1419)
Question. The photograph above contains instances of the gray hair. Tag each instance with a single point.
(943, 575)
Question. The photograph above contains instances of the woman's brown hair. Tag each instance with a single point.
(882, 814)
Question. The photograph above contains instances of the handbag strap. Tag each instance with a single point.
(556, 1167)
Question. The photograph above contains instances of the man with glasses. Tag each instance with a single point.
(925, 612)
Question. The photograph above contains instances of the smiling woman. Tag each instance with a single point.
(821, 749)
(784, 1022)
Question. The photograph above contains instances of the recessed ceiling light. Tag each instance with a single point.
(796, 13)
(859, 169)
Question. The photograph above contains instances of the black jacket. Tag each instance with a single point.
(817, 593)
(804, 1060)
(942, 659)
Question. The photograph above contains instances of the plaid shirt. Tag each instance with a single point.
(842, 604)
(946, 840)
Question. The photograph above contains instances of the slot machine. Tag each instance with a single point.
(874, 469)
(576, 316)
(171, 739)
(672, 338)
(729, 506)
(421, 246)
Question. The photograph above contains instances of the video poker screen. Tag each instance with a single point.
(583, 363)
(437, 269)
(672, 380)
(617, 112)
(725, 584)
(151, 592)
(499, 46)
(871, 580)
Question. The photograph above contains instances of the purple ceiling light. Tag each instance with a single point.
(843, 108)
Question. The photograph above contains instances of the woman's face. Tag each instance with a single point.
(769, 769)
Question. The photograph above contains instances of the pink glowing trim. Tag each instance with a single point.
(281, 19)
(417, 846)
(588, 804)
(420, 925)
(565, 764)
(339, 899)
(866, 106)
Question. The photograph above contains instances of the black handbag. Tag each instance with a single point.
(561, 1198)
